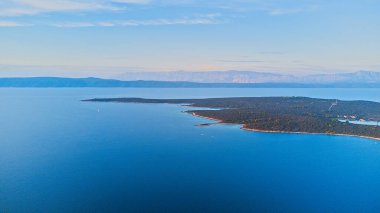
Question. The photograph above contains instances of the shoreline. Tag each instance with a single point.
(243, 127)
(209, 118)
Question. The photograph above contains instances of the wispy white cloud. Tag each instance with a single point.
(201, 20)
(14, 8)
(270, 7)
(271, 53)
(241, 61)
(58, 5)
(286, 11)
(74, 25)
(33, 7)
(10, 24)
(132, 1)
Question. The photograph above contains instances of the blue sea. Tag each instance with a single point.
(58, 154)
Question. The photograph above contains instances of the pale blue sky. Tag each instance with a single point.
(107, 37)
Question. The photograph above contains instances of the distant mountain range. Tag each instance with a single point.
(361, 77)
(335, 82)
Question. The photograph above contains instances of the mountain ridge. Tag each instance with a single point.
(233, 76)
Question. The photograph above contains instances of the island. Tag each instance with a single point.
(282, 114)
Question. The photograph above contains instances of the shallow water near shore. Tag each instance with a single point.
(58, 154)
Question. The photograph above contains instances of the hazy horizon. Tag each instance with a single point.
(121, 75)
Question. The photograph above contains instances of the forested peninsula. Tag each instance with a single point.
(282, 114)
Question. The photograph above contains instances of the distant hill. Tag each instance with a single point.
(356, 77)
(361, 77)
(208, 77)
(98, 82)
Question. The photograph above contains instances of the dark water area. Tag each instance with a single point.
(58, 154)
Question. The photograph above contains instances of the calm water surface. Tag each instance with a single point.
(58, 154)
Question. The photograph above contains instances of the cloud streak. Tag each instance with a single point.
(241, 61)
(287, 11)
(35, 7)
(136, 23)
(132, 1)
(10, 24)
(13, 9)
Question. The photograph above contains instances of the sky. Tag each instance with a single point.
(105, 38)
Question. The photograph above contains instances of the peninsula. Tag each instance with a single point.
(282, 114)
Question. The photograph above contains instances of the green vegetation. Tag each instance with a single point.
(283, 114)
